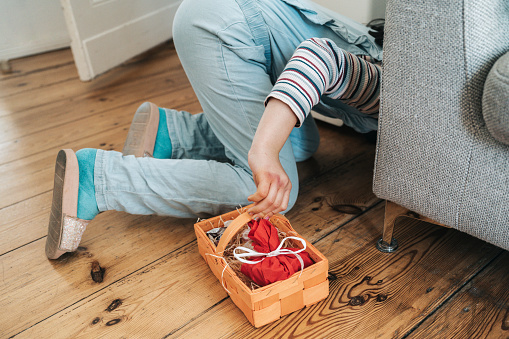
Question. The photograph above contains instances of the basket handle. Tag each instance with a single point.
(231, 230)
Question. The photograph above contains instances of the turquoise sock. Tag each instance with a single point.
(87, 204)
(162, 147)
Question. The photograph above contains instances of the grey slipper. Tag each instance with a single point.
(141, 137)
(65, 229)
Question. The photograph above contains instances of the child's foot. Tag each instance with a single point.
(74, 203)
(148, 134)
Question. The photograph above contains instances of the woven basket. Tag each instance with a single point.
(268, 303)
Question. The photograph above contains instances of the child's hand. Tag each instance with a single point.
(273, 185)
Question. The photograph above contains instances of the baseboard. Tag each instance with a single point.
(34, 48)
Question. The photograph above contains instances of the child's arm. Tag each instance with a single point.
(272, 182)
(316, 68)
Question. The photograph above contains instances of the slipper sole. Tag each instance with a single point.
(141, 137)
(65, 200)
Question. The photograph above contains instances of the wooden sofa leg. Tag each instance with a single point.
(387, 243)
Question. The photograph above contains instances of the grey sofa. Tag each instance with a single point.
(443, 146)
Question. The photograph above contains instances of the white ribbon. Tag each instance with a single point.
(279, 250)
(224, 269)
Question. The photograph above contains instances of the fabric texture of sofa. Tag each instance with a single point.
(443, 147)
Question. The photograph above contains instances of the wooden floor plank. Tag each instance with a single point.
(54, 76)
(23, 222)
(80, 101)
(48, 92)
(372, 294)
(27, 66)
(34, 288)
(479, 310)
(71, 131)
(33, 175)
(56, 67)
(155, 282)
(72, 289)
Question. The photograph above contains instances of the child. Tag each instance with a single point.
(232, 52)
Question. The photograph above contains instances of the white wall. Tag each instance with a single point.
(360, 10)
(30, 27)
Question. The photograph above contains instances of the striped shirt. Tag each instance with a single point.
(318, 67)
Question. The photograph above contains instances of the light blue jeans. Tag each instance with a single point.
(232, 52)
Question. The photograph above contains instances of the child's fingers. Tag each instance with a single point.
(264, 206)
(286, 200)
(274, 205)
(261, 192)
(279, 204)
(258, 198)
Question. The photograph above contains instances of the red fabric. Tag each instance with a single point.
(265, 240)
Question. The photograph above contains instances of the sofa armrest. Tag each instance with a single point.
(435, 154)
(495, 101)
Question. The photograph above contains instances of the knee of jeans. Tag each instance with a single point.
(305, 140)
(304, 152)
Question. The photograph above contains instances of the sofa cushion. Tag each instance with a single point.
(495, 101)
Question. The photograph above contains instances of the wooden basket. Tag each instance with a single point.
(268, 303)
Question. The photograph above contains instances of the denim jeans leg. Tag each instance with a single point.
(192, 138)
(172, 187)
(231, 51)
(305, 140)
(223, 46)
(227, 69)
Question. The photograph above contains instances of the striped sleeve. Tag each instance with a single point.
(318, 67)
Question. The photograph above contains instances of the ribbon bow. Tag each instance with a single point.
(279, 250)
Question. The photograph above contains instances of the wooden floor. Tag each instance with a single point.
(440, 283)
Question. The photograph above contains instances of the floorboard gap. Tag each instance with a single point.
(194, 318)
(28, 243)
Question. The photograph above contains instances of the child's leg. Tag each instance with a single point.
(173, 187)
(216, 38)
(232, 52)
(231, 82)
(192, 138)
(227, 50)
